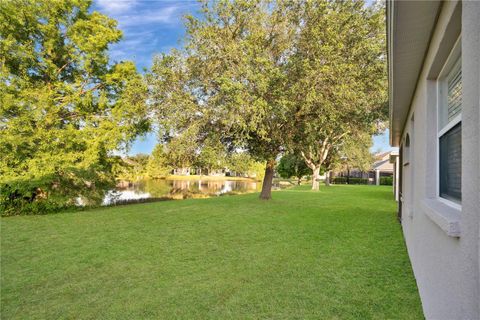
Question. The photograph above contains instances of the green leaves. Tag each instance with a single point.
(292, 165)
(93, 36)
(65, 108)
(338, 77)
(271, 76)
(229, 79)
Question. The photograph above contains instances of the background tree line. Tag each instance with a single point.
(164, 160)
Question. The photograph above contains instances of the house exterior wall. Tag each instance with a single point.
(443, 243)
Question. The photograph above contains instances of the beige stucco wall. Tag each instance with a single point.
(443, 246)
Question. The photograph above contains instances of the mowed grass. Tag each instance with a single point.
(333, 254)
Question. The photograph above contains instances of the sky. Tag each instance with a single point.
(151, 27)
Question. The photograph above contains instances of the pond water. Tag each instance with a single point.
(177, 189)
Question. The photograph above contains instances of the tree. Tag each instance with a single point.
(229, 82)
(356, 153)
(353, 152)
(240, 162)
(243, 163)
(157, 165)
(64, 108)
(131, 168)
(211, 156)
(292, 165)
(137, 166)
(270, 77)
(338, 77)
(181, 151)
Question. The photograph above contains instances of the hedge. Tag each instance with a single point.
(343, 180)
(386, 181)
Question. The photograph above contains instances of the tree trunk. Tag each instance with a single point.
(315, 178)
(266, 193)
(327, 178)
(299, 182)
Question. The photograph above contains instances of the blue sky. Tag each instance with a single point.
(151, 27)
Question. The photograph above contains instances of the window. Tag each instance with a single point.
(450, 134)
(406, 154)
(451, 163)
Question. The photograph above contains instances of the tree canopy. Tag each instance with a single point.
(64, 107)
(228, 82)
(338, 77)
(275, 76)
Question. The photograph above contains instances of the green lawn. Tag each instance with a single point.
(337, 253)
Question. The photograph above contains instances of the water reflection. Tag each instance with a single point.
(175, 189)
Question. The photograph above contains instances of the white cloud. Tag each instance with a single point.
(116, 6)
(163, 15)
(133, 44)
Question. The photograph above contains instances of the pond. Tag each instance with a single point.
(164, 189)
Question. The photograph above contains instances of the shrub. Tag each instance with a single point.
(53, 193)
(386, 181)
(343, 180)
(24, 199)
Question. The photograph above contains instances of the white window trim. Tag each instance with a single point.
(445, 213)
(454, 58)
(449, 126)
(445, 216)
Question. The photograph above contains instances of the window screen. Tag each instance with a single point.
(451, 164)
(454, 94)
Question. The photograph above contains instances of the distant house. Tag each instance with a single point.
(223, 172)
(186, 171)
(381, 167)
(434, 96)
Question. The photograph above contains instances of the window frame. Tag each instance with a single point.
(406, 150)
(453, 63)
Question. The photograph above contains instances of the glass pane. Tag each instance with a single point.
(450, 91)
(454, 94)
(451, 164)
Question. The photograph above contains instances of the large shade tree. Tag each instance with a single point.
(229, 81)
(64, 107)
(338, 77)
(275, 76)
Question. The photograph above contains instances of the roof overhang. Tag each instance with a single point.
(393, 156)
(410, 26)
